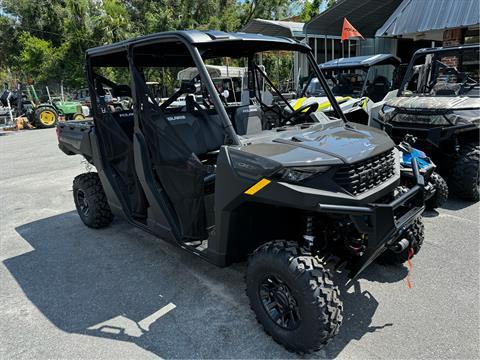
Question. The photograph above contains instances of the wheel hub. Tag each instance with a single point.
(47, 117)
(279, 303)
(82, 202)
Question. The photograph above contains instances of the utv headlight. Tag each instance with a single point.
(298, 174)
(387, 113)
(252, 166)
(468, 116)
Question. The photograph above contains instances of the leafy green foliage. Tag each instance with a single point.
(45, 40)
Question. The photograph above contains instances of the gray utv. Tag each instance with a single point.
(285, 189)
(438, 103)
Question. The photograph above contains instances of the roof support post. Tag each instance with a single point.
(333, 48)
(326, 55)
(202, 70)
(331, 98)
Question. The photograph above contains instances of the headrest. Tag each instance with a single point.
(187, 87)
(121, 90)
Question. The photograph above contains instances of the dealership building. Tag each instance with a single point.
(398, 27)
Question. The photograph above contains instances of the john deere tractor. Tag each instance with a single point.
(46, 115)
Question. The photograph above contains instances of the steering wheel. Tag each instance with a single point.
(304, 111)
(468, 82)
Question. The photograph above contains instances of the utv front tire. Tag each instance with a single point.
(415, 233)
(466, 173)
(441, 192)
(90, 201)
(293, 296)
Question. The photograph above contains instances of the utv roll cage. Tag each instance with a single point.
(200, 45)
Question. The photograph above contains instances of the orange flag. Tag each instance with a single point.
(348, 31)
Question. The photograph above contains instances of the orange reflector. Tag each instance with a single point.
(257, 187)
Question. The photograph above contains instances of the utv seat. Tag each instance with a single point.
(201, 132)
(126, 121)
(247, 120)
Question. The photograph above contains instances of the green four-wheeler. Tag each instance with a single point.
(302, 189)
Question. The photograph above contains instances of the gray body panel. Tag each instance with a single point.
(329, 144)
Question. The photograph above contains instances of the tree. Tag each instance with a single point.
(312, 8)
(47, 39)
(267, 9)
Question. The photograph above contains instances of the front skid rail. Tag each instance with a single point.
(379, 223)
(434, 136)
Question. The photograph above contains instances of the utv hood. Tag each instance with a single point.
(437, 111)
(321, 145)
(437, 102)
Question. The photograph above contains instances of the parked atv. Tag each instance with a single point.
(436, 188)
(288, 197)
(439, 103)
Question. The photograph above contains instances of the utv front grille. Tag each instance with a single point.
(364, 175)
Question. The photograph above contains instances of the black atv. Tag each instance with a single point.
(287, 189)
(439, 103)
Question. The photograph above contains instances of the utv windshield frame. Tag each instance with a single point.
(409, 73)
(364, 63)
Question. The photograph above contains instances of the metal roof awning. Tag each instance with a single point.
(289, 29)
(365, 15)
(428, 19)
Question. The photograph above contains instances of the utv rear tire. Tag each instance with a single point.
(90, 201)
(441, 192)
(464, 181)
(416, 232)
(281, 273)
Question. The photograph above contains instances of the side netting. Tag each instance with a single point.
(180, 173)
(117, 143)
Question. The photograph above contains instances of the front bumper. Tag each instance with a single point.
(434, 135)
(384, 224)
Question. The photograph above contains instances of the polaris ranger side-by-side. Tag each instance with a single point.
(284, 188)
(358, 83)
(439, 104)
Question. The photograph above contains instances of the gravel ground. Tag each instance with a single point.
(67, 291)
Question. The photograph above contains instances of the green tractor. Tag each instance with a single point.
(46, 115)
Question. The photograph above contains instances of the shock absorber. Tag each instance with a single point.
(309, 236)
